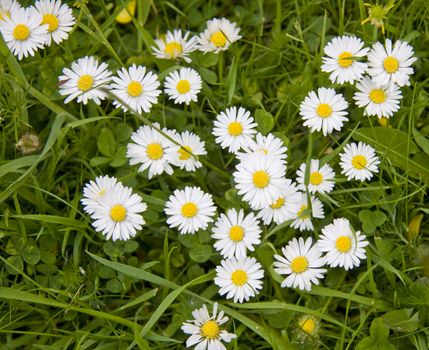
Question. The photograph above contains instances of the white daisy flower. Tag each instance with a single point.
(180, 157)
(183, 85)
(320, 179)
(240, 279)
(150, 149)
(391, 65)
(93, 192)
(285, 207)
(174, 45)
(341, 61)
(86, 80)
(267, 145)
(359, 161)
(189, 210)
(59, 18)
(326, 111)
(235, 233)
(218, 36)
(260, 180)
(7, 7)
(343, 247)
(136, 88)
(23, 32)
(302, 263)
(234, 129)
(205, 330)
(118, 216)
(379, 100)
(303, 216)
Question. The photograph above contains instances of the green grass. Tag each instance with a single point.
(64, 287)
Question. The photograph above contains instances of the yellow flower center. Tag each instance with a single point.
(308, 325)
(236, 233)
(85, 82)
(4, 14)
(118, 213)
(343, 244)
(183, 155)
(154, 151)
(391, 64)
(134, 89)
(278, 203)
(189, 210)
(235, 128)
(239, 277)
(299, 264)
(316, 178)
(218, 39)
(359, 162)
(344, 59)
(261, 179)
(324, 110)
(210, 330)
(173, 49)
(302, 214)
(183, 87)
(377, 96)
(52, 21)
(21, 32)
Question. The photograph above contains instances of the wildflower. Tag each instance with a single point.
(267, 145)
(341, 59)
(218, 36)
(183, 156)
(175, 45)
(320, 179)
(302, 263)
(127, 13)
(308, 325)
(359, 161)
(239, 279)
(28, 143)
(325, 111)
(7, 7)
(235, 233)
(183, 86)
(377, 14)
(86, 80)
(189, 209)
(343, 247)
(205, 330)
(94, 192)
(302, 218)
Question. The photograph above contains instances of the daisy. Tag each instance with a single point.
(205, 330)
(118, 216)
(59, 18)
(22, 31)
(359, 161)
(181, 155)
(302, 263)
(190, 209)
(260, 180)
(7, 7)
(220, 33)
(240, 279)
(234, 129)
(183, 86)
(302, 218)
(343, 247)
(391, 65)
(86, 80)
(136, 89)
(150, 149)
(320, 179)
(285, 207)
(235, 233)
(174, 45)
(341, 61)
(93, 192)
(324, 111)
(268, 145)
(308, 325)
(379, 100)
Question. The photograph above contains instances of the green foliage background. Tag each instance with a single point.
(64, 287)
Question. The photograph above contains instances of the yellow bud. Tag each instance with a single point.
(383, 121)
(414, 226)
(127, 13)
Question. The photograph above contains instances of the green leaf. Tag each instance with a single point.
(401, 320)
(14, 264)
(201, 253)
(371, 220)
(422, 141)
(114, 285)
(120, 158)
(378, 330)
(106, 143)
(98, 161)
(208, 75)
(31, 255)
(265, 121)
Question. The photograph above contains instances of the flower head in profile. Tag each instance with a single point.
(175, 45)
(218, 36)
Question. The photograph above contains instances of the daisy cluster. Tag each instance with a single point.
(26, 30)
